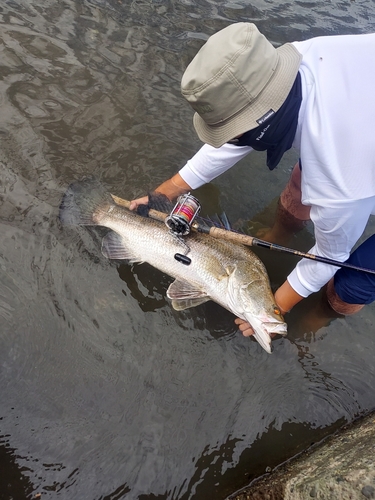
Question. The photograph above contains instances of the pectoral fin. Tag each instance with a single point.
(113, 247)
(185, 295)
(181, 305)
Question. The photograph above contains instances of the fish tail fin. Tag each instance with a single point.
(84, 202)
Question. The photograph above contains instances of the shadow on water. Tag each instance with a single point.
(14, 482)
(107, 392)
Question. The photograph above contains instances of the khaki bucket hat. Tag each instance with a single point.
(236, 81)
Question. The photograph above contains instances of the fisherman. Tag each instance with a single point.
(316, 96)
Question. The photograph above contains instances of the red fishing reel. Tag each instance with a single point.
(180, 221)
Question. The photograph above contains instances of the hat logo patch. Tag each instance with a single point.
(266, 116)
(205, 108)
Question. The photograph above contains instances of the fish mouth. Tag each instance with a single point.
(263, 332)
(273, 327)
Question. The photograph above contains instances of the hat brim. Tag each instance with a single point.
(271, 98)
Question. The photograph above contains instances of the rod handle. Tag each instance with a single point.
(154, 214)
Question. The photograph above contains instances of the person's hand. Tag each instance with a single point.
(134, 204)
(172, 188)
(244, 326)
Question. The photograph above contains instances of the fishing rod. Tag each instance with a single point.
(229, 235)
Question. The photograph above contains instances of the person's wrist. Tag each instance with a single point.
(178, 186)
(282, 301)
(286, 297)
(172, 189)
(282, 309)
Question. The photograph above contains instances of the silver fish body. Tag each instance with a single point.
(222, 271)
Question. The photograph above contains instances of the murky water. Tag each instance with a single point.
(108, 393)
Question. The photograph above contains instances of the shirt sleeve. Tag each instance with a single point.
(336, 232)
(209, 162)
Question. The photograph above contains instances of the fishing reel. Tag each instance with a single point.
(180, 221)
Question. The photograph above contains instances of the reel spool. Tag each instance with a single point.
(180, 220)
(183, 214)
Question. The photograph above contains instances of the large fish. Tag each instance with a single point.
(227, 273)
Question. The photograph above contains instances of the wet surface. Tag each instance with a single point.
(107, 392)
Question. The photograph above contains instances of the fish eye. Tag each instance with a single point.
(277, 311)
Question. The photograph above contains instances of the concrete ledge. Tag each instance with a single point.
(342, 467)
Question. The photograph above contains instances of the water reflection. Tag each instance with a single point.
(107, 392)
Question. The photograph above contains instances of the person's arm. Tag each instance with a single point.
(207, 164)
(336, 232)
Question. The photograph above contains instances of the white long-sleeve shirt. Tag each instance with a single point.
(336, 142)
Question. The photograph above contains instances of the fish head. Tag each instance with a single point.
(252, 300)
(261, 311)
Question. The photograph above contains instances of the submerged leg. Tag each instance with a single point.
(296, 214)
(291, 216)
(339, 305)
